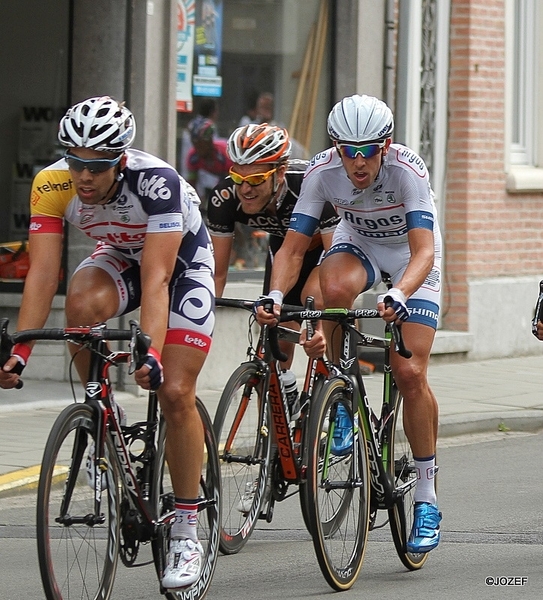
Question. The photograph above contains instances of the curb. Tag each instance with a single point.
(26, 480)
(522, 420)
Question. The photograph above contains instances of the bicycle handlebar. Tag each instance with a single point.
(139, 341)
(290, 313)
(345, 314)
(273, 334)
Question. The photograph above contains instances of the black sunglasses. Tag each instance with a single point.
(93, 165)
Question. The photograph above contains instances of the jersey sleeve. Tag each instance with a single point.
(307, 213)
(221, 210)
(162, 198)
(416, 191)
(52, 190)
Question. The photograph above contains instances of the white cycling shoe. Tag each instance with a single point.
(185, 560)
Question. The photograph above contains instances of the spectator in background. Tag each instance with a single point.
(260, 111)
(207, 109)
(263, 112)
(207, 160)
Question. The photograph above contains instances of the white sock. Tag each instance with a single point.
(426, 472)
(185, 525)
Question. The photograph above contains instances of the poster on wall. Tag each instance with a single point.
(185, 54)
(207, 80)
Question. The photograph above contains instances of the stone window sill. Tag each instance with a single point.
(523, 179)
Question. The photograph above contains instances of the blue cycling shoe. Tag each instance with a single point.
(425, 533)
(342, 440)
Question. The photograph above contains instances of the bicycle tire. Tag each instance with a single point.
(338, 513)
(303, 489)
(238, 419)
(403, 471)
(77, 559)
(208, 518)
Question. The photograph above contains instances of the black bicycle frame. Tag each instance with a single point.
(381, 480)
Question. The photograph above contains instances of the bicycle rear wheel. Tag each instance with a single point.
(77, 549)
(244, 453)
(404, 474)
(338, 492)
(208, 516)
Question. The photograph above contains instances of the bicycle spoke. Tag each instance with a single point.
(77, 549)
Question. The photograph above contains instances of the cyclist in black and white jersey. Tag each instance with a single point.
(388, 224)
(154, 252)
(261, 192)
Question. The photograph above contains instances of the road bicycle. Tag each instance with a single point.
(261, 452)
(104, 488)
(359, 465)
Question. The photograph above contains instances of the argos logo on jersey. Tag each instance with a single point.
(154, 187)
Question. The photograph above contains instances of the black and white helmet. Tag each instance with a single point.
(259, 144)
(99, 123)
(360, 119)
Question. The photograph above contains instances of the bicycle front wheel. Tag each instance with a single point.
(77, 548)
(243, 435)
(402, 469)
(208, 516)
(338, 489)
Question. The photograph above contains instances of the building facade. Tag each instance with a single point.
(463, 77)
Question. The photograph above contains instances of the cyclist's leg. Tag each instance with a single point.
(185, 437)
(348, 269)
(104, 285)
(420, 406)
(187, 343)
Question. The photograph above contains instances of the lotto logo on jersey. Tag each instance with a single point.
(154, 187)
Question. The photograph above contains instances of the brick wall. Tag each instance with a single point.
(488, 232)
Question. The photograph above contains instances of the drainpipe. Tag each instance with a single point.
(390, 25)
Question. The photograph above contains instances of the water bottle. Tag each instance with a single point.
(289, 383)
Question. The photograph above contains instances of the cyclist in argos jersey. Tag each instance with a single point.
(261, 192)
(153, 251)
(389, 225)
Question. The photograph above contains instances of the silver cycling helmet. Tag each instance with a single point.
(99, 123)
(259, 144)
(360, 119)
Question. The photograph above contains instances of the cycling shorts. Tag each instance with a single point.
(424, 304)
(192, 290)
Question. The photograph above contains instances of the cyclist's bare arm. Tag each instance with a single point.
(157, 264)
(41, 283)
(287, 265)
(222, 247)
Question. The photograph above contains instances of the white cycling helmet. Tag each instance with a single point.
(360, 119)
(258, 144)
(99, 123)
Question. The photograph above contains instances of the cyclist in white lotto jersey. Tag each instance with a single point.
(154, 252)
(389, 225)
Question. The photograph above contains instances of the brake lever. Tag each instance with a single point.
(139, 346)
(397, 336)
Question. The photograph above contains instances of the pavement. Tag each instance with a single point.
(474, 397)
